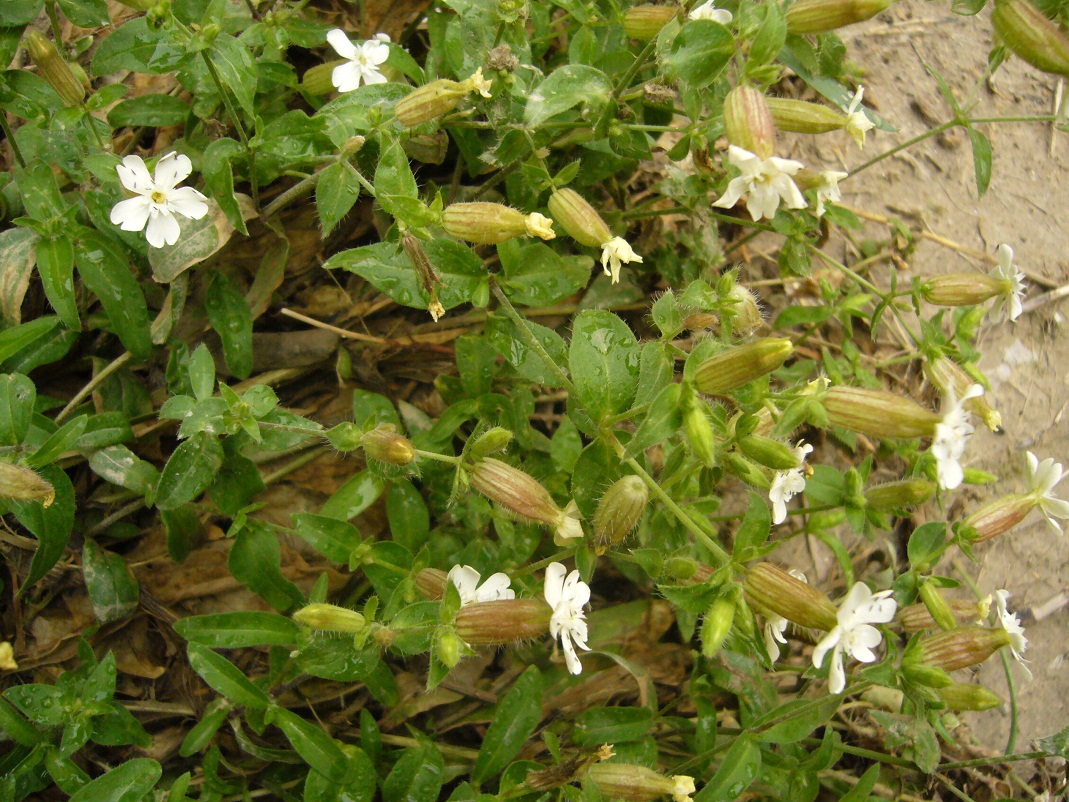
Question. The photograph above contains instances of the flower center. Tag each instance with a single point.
(158, 197)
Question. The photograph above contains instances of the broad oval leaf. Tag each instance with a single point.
(125, 783)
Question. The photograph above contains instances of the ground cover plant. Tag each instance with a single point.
(390, 409)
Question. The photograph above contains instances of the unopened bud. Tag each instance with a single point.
(429, 148)
(439, 97)
(997, 517)
(802, 117)
(960, 696)
(1026, 31)
(489, 442)
(748, 121)
(317, 80)
(961, 289)
(383, 443)
(645, 22)
(745, 309)
(772, 590)
(917, 618)
(819, 16)
(770, 453)
(902, 494)
(699, 431)
(742, 364)
(958, 648)
(878, 413)
(329, 618)
(449, 646)
(937, 606)
(23, 484)
(431, 582)
(345, 436)
(718, 622)
(632, 783)
(491, 223)
(950, 378)
(744, 469)
(620, 510)
(54, 69)
(523, 496)
(578, 218)
(507, 621)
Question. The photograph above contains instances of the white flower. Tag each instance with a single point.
(682, 787)
(786, 484)
(765, 182)
(567, 595)
(854, 634)
(951, 435)
(1013, 280)
(614, 252)
(709, 11)
(466, 579)
(1045, 475)
(569, 524)
(364, 60)
(158, 199)
(857, 122)
(776, 625)
(828, 188)
(1012, 624)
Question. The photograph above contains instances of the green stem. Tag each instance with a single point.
(907, 144)
(989, 761)
(636, 65)
(93, 384)
(1007, 666)
(10, 137)
(303, 187)
(233, 113)
(530, 340)
(431, 455)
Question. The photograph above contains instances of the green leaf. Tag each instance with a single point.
(55, 265)
(360, 787)
(476, 364)
(796, 727)
(237, 482)
(565, 88)
(534, 274)
(981, 159)
(698, 53)
(738, 769)
(17, 258)
(236, 70)
(106, 272)
(126, 783)
(861, 791)
(51, 525)
(395, 187)
(318, 749)
(21, 12)
(113, 591)
(189, 471)
(237, 630)
(219, 178)
(604, 363)
(86, 13)
(334, 539)
(59, 441)
(770, 36)
(601, 725)
(416, 777)
(662, 421)
(802, 315)
(199, 240)
(353, 497)
(121, 466)
(256, 560)
(18, 337)
(204, 730)
(229, 315)
(407, 514)
(754, 529)
(528, 362)
(17, 397)
(515, 719)
(926, 544)
(336, 192)
(149, 110)
(131, 46)
(226, 678)
(1056, 745)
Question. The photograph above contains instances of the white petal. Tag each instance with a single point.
(762, 201)
(749, 163)
(170, 170)
(495, 588)
(341, 44)
(162, 228)
(131, 214)
(770, 642)
(347, 77)
(785, 166)
(375, 52)
(829, 641)
(134, 175)
(1005, 258)
(736, 188)
(779, 511)
(837, 675)
(466, 580)
(553, 587)
(188, 202)
(570, 657)
(576, 592)
(1057, 507)
(373, 76)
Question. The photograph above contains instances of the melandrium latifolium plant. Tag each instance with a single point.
(559, 560)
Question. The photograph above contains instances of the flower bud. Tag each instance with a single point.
(748, 122)
(742, 364)
(384, 444)
(638, 784)
(329, 618)
(772, 590)
(52, 67)
(961, 289)
(494, 623)
(745, 309)
(937, 606)
(802, 117)
(431, 582)
(768, 452)
(491, 223)
(1026, 31)
(699, 432)
(620, 510)
(489, 442)
(878, 413)
(718, 622)
(449, 647)
(819, 16)
(429, 148)
(439, 97)
(950, 378)
(645, 22)
(317, 79)
(522, 495)
(997, 517)
(960, 696)
(578, 218)
(958, 648)
(904, 493)
(345, 436)
(917, 618)
(23, 484)
(744, 469)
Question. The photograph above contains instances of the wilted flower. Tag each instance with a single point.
(7, 659)
(787, 483)
(495, 588)
(1012, 280)
(857, 122)
(566, 593)
(765, 182)
(613, 253)
(1012, 624)
(363, 60)
(158, 199)
(828, 189)
(776, 625)
(854, 633)
(709, 11)
(952, 433)
(1045, 475)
